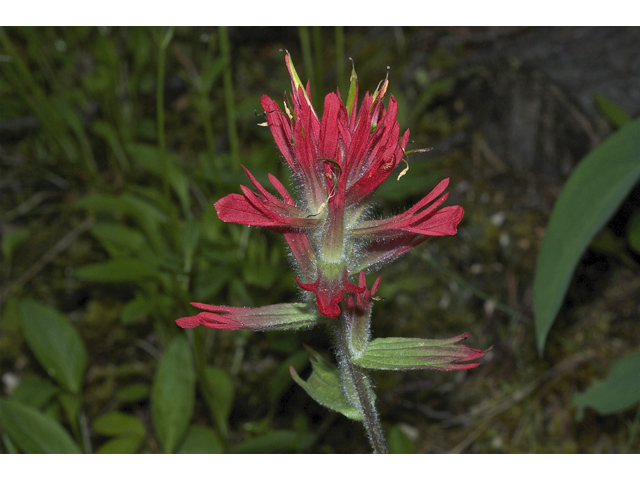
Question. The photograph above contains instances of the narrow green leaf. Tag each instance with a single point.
(33, 431)
(114, 424)
(217, 389)
(173, 394)
(201, 440)
(190, 237)
(591, 196)
(115, 234)
(618, 391)
(150, 157)
(633, 234)
(55, 343)
(325, 387)
(614, 112)
(116, 271)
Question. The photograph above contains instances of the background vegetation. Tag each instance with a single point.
(114, 145)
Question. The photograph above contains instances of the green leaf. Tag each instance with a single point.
(114, 235)
(325, 387)
(145, 213)
(114, 424)
(33, 431)
(122, 445)
(614, 112)
(395, 353)
(116, 271)
(173, 394)
(106, 131)
(617, 392)
(72, 406)
(217, 389)
(633, 234)
(276, 441)
(201, 439)
(35, 392)
(398, 441)
(55, 343)
(591, 196)
(133, 393)
(135, 310)
(190, 237)
(149, 156)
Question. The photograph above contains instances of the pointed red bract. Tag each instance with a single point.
(272, 317)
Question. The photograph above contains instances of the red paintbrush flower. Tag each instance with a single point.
(338, 162)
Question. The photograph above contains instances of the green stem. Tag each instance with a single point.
(340, 60)
(160, 112)
(232, 132)
(317, 57)
(358, 384)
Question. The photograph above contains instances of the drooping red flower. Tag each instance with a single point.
(338, 161)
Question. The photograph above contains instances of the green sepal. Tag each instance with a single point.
(415, 353)
(324, 386)
(353, 91)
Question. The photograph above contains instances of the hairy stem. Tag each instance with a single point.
(357, 383)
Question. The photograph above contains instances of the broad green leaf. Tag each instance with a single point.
(590, 197)
(173, 394)
(618, 391)
(201, 439)
(35, 392)
(416, 353)
(217, 389)
(55, 343)
(614, 112)
(116, 271)
(398, 442)
(34, 432)
(122, 445)
(325, 387)
(114, 424)
(276, 441)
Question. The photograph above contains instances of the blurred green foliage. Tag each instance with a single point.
(114, 145)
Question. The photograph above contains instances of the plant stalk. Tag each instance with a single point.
(357, 383)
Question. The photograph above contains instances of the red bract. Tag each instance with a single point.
(338, 161)
(273, 317)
